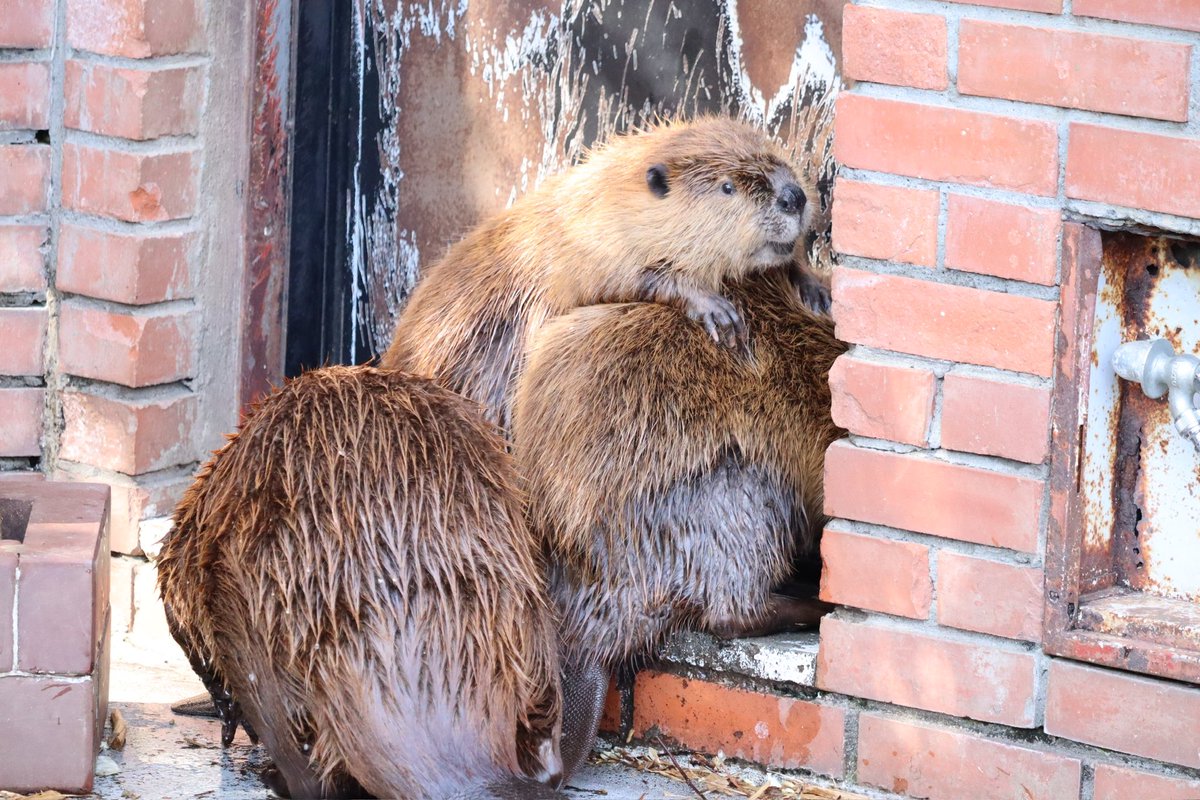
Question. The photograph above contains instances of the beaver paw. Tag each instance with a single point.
(721, 319)
(813, 292)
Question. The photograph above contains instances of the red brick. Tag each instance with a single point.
(1183, 14)
(923, 494)
(24, 95)
(882, 401)
(926, 670)
(134, 187)
(764, 728)
(976, 594)
(142, 500)
(8, 586)
(21, 433)
(1138, 170)
(132, 268)
(62, 599)
(133, 103)
(23, 331)
(26, 24)
(886, 222)
(1119, 783)
(56, 595)
(1044, 6)
(955, 323)
(132, 349)
(995, 418)
(1074, 69)
(875, 574)
(1124, 712)
(1004, 240)
(947, 144)
(24, 178)
(133, 436)
(610, 717)
(58, 741)
(135, 28)
(22, 261)
(894, 47)
(918, 760)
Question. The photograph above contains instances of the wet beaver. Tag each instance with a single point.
(351, 573)
(664, 215)
(671, 481)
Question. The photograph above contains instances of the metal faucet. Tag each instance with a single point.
(1153, 364)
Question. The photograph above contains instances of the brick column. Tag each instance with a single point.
(26, 31)
(134, 86)
(973, 130)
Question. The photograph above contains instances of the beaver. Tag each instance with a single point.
(671, 481)
(352, 574)
(662, 215)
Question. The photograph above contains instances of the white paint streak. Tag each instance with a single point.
(537, 77)
(813, 69)
(354, 217)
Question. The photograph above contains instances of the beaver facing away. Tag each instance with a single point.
(664, 215)
(351, 573)
(671, 481)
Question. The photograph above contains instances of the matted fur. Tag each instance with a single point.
(354, 567)
(596, 233)
(671, 480)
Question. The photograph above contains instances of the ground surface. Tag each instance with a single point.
(170, 757)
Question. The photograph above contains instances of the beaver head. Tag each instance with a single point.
(713, 196)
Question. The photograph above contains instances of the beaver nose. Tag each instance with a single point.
(791, 199)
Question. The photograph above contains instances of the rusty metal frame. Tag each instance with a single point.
(268, 190)
(1082, 255)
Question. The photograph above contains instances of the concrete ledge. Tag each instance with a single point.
(784, 658)
(54, 643)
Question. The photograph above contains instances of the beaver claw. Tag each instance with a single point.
(721, 319)
(813, 292)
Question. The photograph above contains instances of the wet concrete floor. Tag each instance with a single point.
(172, 757)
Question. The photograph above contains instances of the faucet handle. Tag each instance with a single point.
(1148, 362)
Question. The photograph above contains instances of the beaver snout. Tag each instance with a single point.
(791, 199)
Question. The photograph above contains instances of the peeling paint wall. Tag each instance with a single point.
(466, 104)
(1141, 478)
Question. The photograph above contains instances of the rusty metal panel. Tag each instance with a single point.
(1123, 547)
(1142, 478)
(267, 203)
(477, 100)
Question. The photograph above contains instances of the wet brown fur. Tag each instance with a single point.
(596, 233)
(353, 567)
(671, 481)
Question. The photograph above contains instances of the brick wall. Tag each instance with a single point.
(976, 139)
(109, 231)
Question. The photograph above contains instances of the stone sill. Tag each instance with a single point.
(784, 658)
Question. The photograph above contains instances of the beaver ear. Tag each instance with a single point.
(656, 179)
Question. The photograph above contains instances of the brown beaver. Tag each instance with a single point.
(671, 481)
(663, 215)
(353, 570)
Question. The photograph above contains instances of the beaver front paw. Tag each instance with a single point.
(721, 319)
(813, 292)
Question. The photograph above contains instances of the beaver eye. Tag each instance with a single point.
(727, 187)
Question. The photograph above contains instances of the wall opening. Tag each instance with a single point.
(1130, 591)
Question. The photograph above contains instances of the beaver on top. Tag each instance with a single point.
(376, 607)
(666, 215)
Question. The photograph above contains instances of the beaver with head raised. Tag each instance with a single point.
(671, 481)
(663, 215)
(351, 573)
